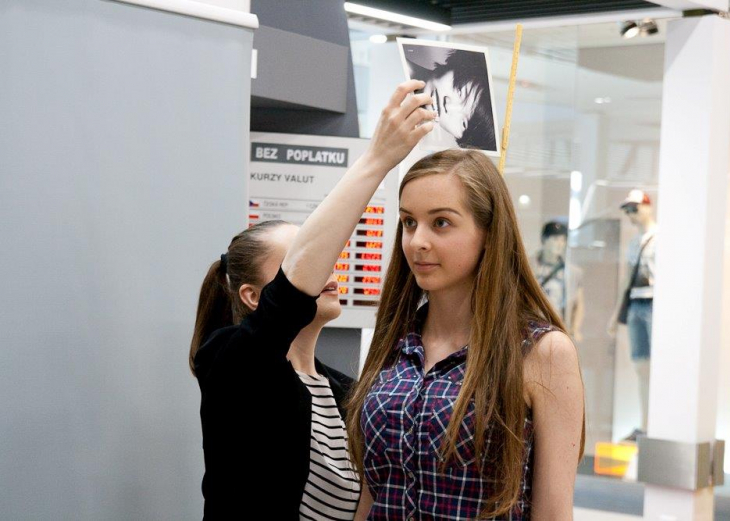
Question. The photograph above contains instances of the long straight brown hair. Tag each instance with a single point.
(506, 296)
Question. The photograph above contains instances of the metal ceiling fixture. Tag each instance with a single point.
(646, 27)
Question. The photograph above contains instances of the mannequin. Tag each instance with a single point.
(639, 210)
(562, 286)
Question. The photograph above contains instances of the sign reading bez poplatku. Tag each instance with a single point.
(291, 174)
(273, 153)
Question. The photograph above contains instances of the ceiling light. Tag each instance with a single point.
(602, 101)
(646, 27)
(649, 28)
(525, 201)
(378, 38)
(395, 17)
(630, 29)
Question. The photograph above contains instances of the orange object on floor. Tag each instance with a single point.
(612, 459)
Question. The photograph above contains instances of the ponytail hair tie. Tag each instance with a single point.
(223, 268)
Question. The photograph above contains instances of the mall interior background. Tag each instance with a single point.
(91, 431)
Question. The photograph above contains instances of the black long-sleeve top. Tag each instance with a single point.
(255, 410)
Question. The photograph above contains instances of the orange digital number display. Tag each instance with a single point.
(369, 256)
(372, 245)
(368, 280)
(345, 255)
(370, 233)
(366, 291)
(367, 267)
(343, 290)
(375, 209)
(342, 266)
(371, 222)
(342, 278)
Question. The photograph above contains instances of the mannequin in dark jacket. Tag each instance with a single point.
(261, 309)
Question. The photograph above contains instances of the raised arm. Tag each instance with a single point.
(310, 259)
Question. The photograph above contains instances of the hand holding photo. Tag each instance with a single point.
(458, 78)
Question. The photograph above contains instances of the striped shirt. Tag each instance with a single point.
(404, 418)
(332, 490)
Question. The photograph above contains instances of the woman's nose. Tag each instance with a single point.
(419, 240)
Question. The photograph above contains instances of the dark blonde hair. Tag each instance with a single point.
(505, 298)
(219, 304)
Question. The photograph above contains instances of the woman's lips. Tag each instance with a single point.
(330, 288)
(425, 266)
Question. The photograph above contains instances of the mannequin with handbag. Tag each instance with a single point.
(635, 308)
(561, 282)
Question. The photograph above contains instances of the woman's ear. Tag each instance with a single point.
(249, 295)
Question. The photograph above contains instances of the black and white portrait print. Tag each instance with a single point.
(459, 80)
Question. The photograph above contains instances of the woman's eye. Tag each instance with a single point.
(407, 222)
(441, 223)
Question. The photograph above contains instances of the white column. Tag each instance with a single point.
(694, 164)
(723, 394)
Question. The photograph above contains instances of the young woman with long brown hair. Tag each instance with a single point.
(273, 434)
(471, 405)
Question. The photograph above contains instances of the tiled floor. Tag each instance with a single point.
(582, 514)
(606, 499)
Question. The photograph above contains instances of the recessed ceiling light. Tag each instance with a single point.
(395, 17)
(378, 38)
(602, 101)
(646, 27)
(630, 29)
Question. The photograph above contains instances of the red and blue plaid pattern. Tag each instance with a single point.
(404, 419)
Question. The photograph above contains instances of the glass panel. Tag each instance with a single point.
(539, 157)
(618, 116)
(585, 131)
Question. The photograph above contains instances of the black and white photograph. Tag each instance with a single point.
(458, 78)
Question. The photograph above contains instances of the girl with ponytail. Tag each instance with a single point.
(274, 440)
